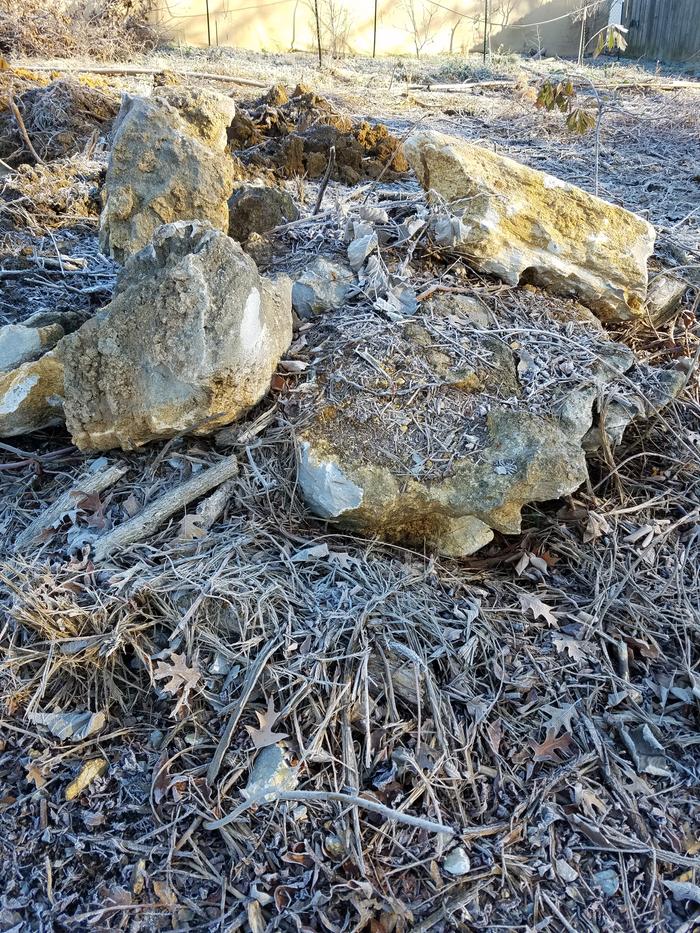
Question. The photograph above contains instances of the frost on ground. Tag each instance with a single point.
(222, 712)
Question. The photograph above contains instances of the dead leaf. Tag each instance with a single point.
(190, 528)
(559, 717)
(572, 647)
(684, 890)
(35, 775)
(495, 734)
(538, 609)
(182, 679)
(596, 526)
(131, 505)
(553, 748)
(264, 736)
(75, 726)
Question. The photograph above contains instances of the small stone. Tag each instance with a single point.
(257, 209)
(270, 774)
(565, 871)
(664, 297)
(31, 396)
(608, 881)
(457, 862)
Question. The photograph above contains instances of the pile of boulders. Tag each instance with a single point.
(431, 421)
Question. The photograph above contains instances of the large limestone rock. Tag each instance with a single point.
(31, 396)
(439, 429)
(167, 163)
(521, 224)
(189, 342)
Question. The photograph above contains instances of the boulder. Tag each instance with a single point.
(255, 209)
(165, 165)
(188, 343)
(525, 226)
(438, 429)
(21, 344)
(209, 114)
(322, 286)
(31, 396)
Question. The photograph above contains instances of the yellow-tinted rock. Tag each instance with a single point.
(525, 226)
(31, 396)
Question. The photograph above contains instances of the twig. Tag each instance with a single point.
(90, 483)
(136, 70)
(143, 524)
(326, 179)
(23, 129)
(349, 800)
(252, 677)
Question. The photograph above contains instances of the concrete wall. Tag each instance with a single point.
(347, 25)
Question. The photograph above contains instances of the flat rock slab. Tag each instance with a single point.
(438, 429)
(526, 226)
(189, 343)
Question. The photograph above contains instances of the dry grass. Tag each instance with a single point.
(539, 701)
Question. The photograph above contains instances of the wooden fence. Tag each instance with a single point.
(663, 29)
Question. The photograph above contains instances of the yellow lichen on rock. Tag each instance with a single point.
(526, 226)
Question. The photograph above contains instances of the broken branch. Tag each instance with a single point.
(147, 521)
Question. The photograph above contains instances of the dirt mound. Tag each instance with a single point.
(60, 119)
(293, 136)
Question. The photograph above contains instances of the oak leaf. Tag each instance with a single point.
(538, 609)
(553, 748)
(182, 679)
(264, 736)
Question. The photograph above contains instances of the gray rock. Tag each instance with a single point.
(438, 430)
(664, 297)
(21, 344)
(270, 775)
(641, 397)
(31, 396)
(189, 343)
(162, 168)
(322, 286)
(255, 209)
(208, 113)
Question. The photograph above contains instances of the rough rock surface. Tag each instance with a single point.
(31, 396)
(440, 428)
(523, 225)
(165, 165)
(322, 286)
(188, 343)
(256, 209)
(664, 297)
(20, 344)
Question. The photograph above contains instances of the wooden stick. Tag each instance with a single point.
(609, 85)
(322, 796)
(137, 70)
(153, 516)
(326, 179)
(251, 678)
(23, 129)
(90, 483)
